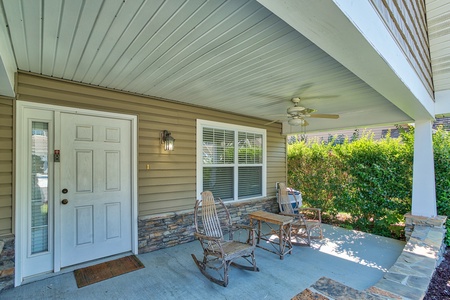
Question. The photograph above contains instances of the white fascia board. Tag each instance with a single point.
(8, 65)
(442, 102)
(354, 34)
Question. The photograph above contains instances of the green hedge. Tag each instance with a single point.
(369, 180)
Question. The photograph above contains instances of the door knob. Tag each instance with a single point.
(64, 201)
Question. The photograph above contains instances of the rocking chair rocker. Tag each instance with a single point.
(219, 251)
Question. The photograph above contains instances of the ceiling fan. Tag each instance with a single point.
(296, 114)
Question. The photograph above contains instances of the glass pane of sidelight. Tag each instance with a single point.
(39, 187)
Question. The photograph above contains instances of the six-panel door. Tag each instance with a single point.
(95, 171)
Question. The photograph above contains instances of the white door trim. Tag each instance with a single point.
(20, 211)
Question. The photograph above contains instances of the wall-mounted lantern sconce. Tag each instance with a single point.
(167, 140)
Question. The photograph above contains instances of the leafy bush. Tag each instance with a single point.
(441, 148)
(369, 180)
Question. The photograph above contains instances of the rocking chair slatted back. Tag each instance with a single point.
(283, 199)
(212, 219)
(210, 216)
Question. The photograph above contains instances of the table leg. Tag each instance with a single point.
(281, 241)
(259, 232)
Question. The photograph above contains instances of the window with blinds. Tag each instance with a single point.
(232, 165)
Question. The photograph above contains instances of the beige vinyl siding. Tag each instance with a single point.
(406, 20)
(6, 165)
(170, 183)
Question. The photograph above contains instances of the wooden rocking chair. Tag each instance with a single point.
(219, 251)
(306, 220)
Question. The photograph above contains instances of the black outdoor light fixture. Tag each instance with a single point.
(168, 140)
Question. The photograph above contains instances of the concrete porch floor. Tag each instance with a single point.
(353, 258)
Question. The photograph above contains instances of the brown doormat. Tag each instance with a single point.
(106, 270)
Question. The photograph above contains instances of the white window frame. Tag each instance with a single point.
(236, 128)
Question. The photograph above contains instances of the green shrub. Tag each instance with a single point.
(370, 180)
(441, 148)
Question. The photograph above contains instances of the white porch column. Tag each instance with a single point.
(8, 65)
(424, 189)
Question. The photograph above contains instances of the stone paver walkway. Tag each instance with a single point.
(407, 279)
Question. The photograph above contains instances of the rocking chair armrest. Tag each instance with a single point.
(295, 216)
(251, 232)
(289, 215)
(317, 212)
(310, 209)
(242, 226)
(201, 236)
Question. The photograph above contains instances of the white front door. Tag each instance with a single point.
(82, 206)
(95, 187)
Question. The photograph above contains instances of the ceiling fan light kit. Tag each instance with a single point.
(296, 114)
(295, 110)
(296, 121)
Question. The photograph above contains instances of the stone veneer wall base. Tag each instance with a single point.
(166, 230)
(6, 262)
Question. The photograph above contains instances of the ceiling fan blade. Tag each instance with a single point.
(320, 97)
(303, 88)
(273, 103)
(274, 121)
(324, 116)
(274, 116)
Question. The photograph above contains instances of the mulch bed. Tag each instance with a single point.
(439, 287)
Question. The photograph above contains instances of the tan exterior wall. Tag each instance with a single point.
(170, 183)
(6, 165)
(406, 20)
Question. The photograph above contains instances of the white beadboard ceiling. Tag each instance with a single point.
(234, 56)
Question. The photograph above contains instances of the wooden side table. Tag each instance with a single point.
(279, 225)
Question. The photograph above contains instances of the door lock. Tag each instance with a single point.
(64, 191)
(64, 201)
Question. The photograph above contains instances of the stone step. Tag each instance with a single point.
(329, 289)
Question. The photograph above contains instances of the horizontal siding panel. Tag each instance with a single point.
(6, 143)
(6, 155)
(5, 201)
(162, 210)
(6, 120)
(173, 166)
(6, 132)
(275, 169)
(6, 111)
(166, 188)
(169, 202)
(166, 174)
(5, 178)
(5, 226)
(170, 184)
(5, 189)
(6, 165)
(5, 212)
(149, 182)
(406, 20)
